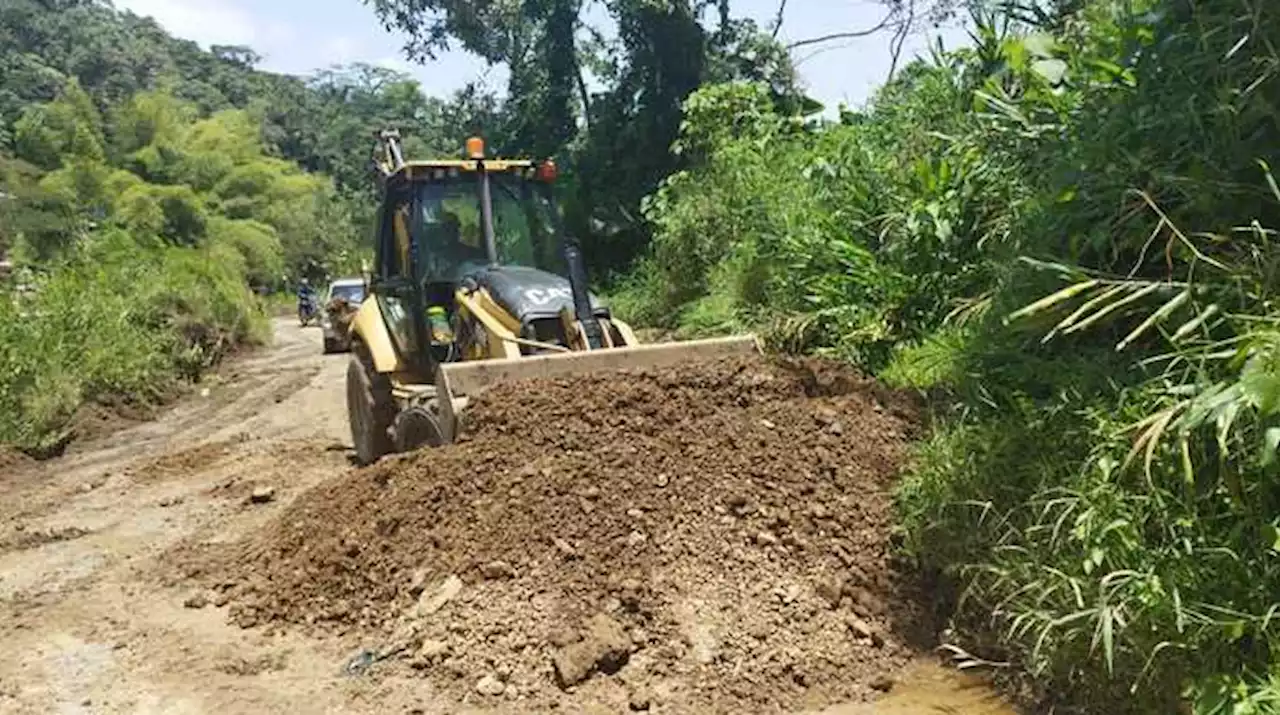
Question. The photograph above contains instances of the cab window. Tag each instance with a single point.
(395, 245)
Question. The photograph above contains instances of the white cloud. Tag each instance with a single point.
(205, 21)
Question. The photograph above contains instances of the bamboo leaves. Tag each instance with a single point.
(1110, 299)
(1155, 318)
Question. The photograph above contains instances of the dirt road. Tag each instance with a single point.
(88, 626)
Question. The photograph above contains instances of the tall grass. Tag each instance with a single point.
(143, 256)
(116, 321)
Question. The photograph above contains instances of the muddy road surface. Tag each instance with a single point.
(97, 618)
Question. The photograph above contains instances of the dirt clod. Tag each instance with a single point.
(605, 647)
(430, 652)
(498, 570)
(638, 702)
(24, 538)
(565, 548)
(11, 460)
(883, 683)
(419, 582)
(865, 631)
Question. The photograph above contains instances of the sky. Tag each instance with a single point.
(300, 36)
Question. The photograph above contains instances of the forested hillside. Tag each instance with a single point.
(148, 190)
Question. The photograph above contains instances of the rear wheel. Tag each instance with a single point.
(370, 408)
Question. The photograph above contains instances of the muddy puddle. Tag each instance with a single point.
(930, 689)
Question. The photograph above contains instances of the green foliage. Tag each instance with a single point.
(138, 238)
(1064, 235)
(148, 118)
(114, 321)
(67, 128)
(174, 213)
(89, 85)
(806, 216)
(258, 245)
(613, 142)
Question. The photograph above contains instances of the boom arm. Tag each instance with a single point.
(391, 158)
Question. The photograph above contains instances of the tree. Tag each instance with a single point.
(615, 143)
(69, 126)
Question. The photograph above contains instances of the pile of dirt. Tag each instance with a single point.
(697, 539)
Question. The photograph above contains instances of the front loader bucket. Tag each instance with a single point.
(458, 382)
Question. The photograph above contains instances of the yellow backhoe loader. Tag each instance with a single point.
(475, 282)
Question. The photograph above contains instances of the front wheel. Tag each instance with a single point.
(370, 409)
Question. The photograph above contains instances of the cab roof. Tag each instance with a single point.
(426, 169)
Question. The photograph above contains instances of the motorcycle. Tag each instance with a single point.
(307, 310)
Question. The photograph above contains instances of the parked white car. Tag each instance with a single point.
(334, 317)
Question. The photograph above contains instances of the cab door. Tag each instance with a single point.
(394, 286)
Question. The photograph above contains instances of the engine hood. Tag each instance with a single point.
(531, 294)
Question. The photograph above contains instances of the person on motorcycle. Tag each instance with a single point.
(306, 300)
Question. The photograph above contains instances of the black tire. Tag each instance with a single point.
(329, 346)
(370, 408)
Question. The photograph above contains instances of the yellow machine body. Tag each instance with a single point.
(407, 387)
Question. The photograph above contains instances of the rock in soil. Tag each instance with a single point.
(547, 480)
(604, 647)
(638, 702)
(262, 495)
(497, 570)
(435, 599)
(490, 685)
(865, 631)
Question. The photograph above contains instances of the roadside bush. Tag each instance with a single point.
(258, 245)
(174, 213)
(138, 221)
(118, 321)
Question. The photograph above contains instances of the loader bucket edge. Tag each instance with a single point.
(468, 378)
